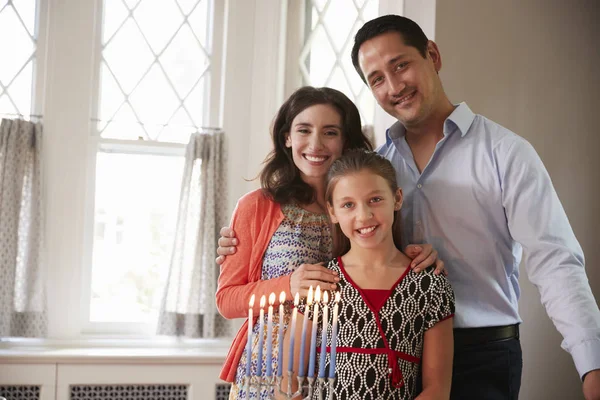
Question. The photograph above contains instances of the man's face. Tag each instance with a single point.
(405, 84)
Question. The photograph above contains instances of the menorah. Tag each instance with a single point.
(308, 381)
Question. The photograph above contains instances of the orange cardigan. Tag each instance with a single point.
(254, 221)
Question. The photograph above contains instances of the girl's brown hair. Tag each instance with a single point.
(352, 162)
(280, 178)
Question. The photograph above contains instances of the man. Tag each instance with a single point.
(479, 193)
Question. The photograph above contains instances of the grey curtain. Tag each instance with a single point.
(22, 284)
(188, 305)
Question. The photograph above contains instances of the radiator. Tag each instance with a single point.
(20, 392)
(141, 392)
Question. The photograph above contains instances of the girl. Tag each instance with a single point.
(392, 321)
(283, 227)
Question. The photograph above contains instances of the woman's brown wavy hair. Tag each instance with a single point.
(280, 178)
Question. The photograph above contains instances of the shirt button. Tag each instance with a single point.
(419, 186)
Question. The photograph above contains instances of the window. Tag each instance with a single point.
(329, 29)
(18, 38)
(154, 89)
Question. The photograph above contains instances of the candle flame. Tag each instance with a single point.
(263, 300)
(251, 304)
(318, 294)
(271, 299)
(337, 297)
(309, 298)
(281, 297)
(296, 299)
(325, 298)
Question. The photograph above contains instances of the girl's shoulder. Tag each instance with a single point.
(427, 279)
(333, 264)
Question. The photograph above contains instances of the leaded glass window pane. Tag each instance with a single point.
(155, 69)
(325, 59)
(18, 38)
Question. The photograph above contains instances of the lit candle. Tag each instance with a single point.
(334, 327)
(303, 338)
(293, 333)
(280, 335)
(324, 336)
(261, 339)
(249, 344)
(313, 335)
(270, 336)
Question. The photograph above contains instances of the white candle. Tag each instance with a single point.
(270, 336)
(293, 333)
(261, 338)
(313, 335)
(309, 300)
(280, 335)
(324, 335)
(249, 343)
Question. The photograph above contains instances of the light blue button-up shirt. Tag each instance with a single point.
(483, 197)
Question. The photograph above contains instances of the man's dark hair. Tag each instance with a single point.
(410, 31)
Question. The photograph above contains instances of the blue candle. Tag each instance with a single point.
(324, 336)
(249, 343)
(334, 329)
(270, 336)
(293, 333)
(303, 337)
(261, 339)
(313, 336)
(280, 335)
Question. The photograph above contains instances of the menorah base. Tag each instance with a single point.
(307, 387)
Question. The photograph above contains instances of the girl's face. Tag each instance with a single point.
(364, 205)
(316, 141)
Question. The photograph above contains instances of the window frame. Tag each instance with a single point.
(149, 147)
(66, 82)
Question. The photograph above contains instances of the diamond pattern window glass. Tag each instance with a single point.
(155, 69)
(18, 39)
(325, 58)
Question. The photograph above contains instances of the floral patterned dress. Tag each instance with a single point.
(303, 237)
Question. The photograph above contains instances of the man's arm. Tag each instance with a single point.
(553, 258)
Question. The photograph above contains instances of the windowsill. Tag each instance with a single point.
(106, 350)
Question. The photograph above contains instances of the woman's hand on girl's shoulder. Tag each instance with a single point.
(423, 256)
(314, 275)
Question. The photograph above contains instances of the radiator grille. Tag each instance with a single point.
(129, 392)
(222, 391)
(20, 392)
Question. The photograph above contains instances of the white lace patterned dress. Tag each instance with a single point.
(302, 238)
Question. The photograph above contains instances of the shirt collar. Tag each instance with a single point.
(462, 117)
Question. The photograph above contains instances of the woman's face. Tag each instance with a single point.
(316, 141)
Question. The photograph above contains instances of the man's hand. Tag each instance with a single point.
(227, 244)
(423, 256)
(314, 275)
(591, 385)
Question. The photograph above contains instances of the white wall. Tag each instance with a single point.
(532, 66)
